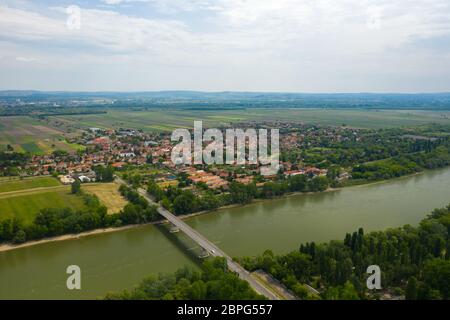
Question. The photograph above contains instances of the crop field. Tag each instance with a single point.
(166, 184)
(25, 205)
(11, 185)
(26, 134)
(108, 194)
(144, 170)
(167, 120)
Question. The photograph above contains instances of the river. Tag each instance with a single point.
(119, 260)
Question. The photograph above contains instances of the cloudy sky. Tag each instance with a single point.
(215, 45)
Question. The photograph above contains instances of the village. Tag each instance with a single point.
(123, 149)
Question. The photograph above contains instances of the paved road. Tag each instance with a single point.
(210, 247)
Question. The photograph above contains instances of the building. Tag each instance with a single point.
(291, 173)
(84, 179)
(66, 179)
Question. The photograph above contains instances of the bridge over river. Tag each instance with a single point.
(210, 247)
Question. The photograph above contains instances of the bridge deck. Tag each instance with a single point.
(211, 248)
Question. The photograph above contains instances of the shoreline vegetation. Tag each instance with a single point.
(75, 236)
(415, 263)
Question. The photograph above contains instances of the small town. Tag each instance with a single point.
(124, 149)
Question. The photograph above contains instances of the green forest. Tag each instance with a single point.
(414, 263)
(214, 281)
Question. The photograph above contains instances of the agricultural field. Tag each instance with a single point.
(108, 194)
(26, 204)
(26, 134)
(166, 184)
(144, 170)
(16, 184)
(167, 120)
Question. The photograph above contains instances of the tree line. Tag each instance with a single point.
(11, 161)
(403, 164)
(182, 201)
(213, 281)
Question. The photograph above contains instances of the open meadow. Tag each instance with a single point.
(108, 194)
(25, 205)
(14, 184)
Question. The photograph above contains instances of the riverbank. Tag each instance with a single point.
(120, 260)
(8, 247)
(75, 236)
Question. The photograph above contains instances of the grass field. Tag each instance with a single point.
(26, 134)
(27, 183)
(108, 194)
(24, 198)
(26, 205)
(167, 120)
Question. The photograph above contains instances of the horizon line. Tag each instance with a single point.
(224, 91)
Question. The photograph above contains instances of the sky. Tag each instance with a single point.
(226, 45)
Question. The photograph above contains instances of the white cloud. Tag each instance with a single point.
(266, 25)
(26, 59)
(246, 44)
(113, 2)
(99, 28)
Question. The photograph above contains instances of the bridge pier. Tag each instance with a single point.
(173, 228)
(203, 254)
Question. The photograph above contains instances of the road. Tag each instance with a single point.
(211, 248)
(208, 246)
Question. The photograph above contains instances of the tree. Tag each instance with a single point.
(318, 184)
(184, 203)
(344, 292)
(214, 282)
(209, 201)
(241, 193)
(108, 174)
(197, 290)
(437, 275)
(104, 174)
(411, 289)
(298, 182)
(300, 291)
(76, 187)
(20, 237)
(165, 202)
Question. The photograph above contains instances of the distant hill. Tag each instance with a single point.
(232, 99)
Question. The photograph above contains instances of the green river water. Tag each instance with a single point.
(119, 260)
